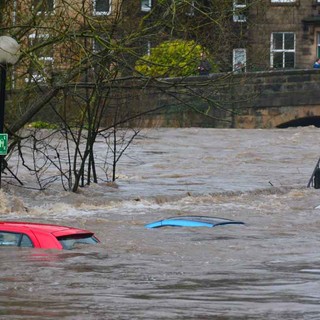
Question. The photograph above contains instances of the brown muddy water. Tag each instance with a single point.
(268, 268)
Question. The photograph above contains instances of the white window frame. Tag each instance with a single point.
(239, 5)
(190, 13)
(146, 5)
(101, 13)
(239, 60)
(47, 12)
(282, 50)
(284, 1)
(37, 77)
(148, 48)
(96, 46)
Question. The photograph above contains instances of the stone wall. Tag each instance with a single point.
(225, 100)
(248, 100)
(281, 96)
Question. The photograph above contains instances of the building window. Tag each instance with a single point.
(146, 5)
(239, 7)
(42, 58)
(148, 48)
(282, 50)
(283, 1)
(318, 44)
(97, 46)
(101, 7)
(191, 7)
(43, 6)
(239, 60)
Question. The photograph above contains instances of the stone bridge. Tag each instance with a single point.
(247, 100)
(283, 99)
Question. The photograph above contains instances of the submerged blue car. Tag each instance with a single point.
(191, 221)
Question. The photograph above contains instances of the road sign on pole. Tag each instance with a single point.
(3, 144)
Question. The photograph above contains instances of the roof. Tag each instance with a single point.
(191, 221)
(57, 230)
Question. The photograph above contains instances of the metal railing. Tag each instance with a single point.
(315, 177)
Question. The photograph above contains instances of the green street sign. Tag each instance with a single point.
(3, 144)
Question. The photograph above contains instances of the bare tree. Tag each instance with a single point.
(77, 72)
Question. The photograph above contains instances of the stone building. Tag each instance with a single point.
(283, 34)
(33, 22)
(266, 34)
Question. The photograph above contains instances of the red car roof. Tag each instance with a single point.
(48, 228)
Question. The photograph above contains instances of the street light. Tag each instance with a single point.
(9, 54)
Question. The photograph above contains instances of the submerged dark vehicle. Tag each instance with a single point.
(191, 221)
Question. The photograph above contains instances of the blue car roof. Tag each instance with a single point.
(191, 221)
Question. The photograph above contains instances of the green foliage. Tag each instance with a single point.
(42, 125)
(172, 59)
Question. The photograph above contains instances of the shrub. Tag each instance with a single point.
(42, 125)
(172, 59)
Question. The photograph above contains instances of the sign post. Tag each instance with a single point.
(3, 74)
(9, 54)
(3, 144)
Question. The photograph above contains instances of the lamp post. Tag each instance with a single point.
(9, 54)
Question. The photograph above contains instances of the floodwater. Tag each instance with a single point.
(268, 268)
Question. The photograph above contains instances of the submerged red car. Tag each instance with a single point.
(44, 236)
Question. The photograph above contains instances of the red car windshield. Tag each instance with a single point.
(71, 241)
